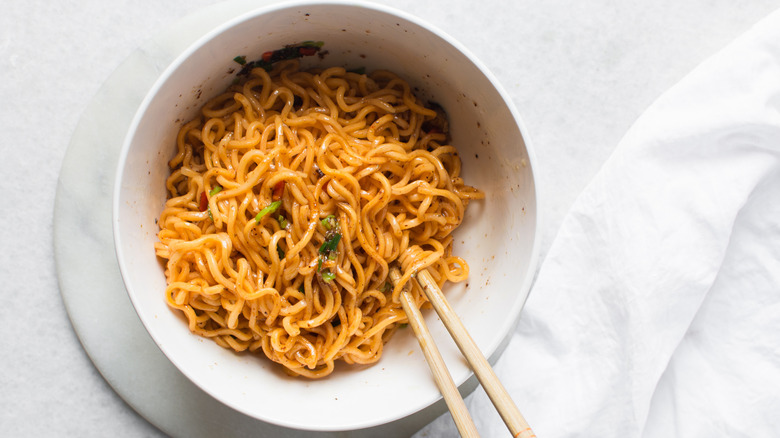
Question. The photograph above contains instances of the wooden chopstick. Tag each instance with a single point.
(441, 374)
(495, 390)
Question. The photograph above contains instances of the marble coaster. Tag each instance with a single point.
(89, 278)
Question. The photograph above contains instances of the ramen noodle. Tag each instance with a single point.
(290, 195)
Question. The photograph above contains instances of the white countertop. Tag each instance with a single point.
(580, 73)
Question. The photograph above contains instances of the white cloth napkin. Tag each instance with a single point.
(657, 310)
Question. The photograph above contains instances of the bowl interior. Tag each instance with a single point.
(497, 238)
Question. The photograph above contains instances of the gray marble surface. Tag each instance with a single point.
(579, 72)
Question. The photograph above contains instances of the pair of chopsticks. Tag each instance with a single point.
(487, 378)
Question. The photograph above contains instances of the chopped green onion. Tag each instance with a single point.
(240, 59)
(210, 215)
(282, 221)
(215, 190)
(280, 251)
(329, 222)
(330, 244)
(319, 264)
(387, 287)
(272, 207)
(267, 66)
(328, 276)
(312, 44)
(332, 255)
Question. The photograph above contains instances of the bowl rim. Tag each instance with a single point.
(531, 271)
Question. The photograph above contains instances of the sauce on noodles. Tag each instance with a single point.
(290, 195)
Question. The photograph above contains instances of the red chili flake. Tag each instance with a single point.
(204, 201)
(278, 191)
(267, 56)
(307, 51)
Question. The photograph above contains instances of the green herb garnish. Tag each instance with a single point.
(272, 207)
(282, 221)
(280, 252)
(331, 243)
(329, 222)
(215, 190)
(241, 60)
(317, 44)
(328, 276)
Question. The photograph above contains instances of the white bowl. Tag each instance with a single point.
(498, 237)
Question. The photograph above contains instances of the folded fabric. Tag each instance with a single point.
(657, 310)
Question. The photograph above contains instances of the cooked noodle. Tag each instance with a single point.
(266, 177)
